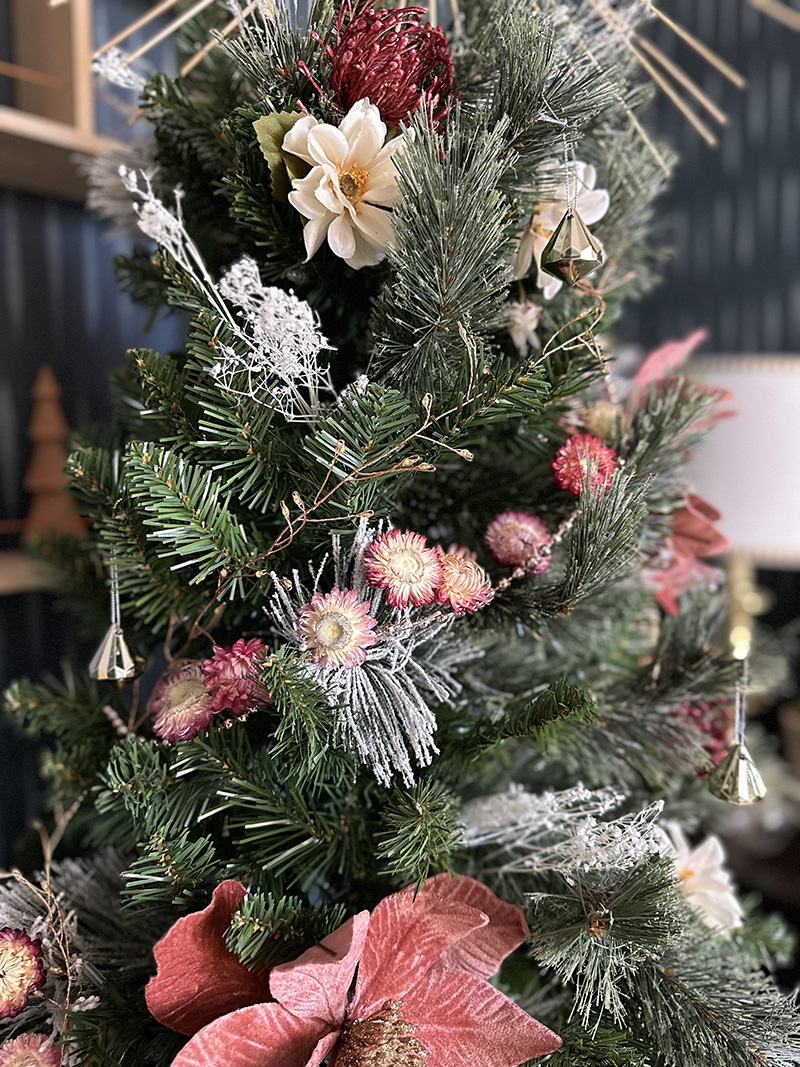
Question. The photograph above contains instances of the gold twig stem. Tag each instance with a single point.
(780, 12)
(148, 16)
(676, 98)
(168, 30)
(710, 56)
(680, 76)
(226, 30)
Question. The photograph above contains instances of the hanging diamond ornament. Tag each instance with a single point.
(572, 252)
(736, 779)
(112, 661)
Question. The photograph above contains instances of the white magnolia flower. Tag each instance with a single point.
(590, 203)
(523, 318)
(705, 881)
(352, 182)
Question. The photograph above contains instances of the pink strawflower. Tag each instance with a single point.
(714, 720)
(462, 552)
(180, 704)
(393, 58)
(420, 997)
(577, 457)
(21, 970)
(29, 1050)
(464, 585)
(516, 539)
(402, 564)
(337, 628)
(231, 676)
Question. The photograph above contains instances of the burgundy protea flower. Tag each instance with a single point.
(29, 1050)
(714, 720)
(21, 970)
(464, 585)
(403, 565)
(180, 704)
(230, 676)
(516, 539)
(392, 58)
(337, 628)
(582, 455)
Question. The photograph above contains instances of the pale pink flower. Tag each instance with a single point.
(231, 676)
(464, 585)
(516, 539)
(337, 628)
(582, 455)
(29, 1050)
(402, 564)
(180, 704)
(21, 970)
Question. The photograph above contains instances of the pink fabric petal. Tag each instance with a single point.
(664, 360)
(324, 1045)
(693, 531)
(264, 1035)
(406, 937)
(465, 1022)
(198, 979)
(315, 985)
(483, 950)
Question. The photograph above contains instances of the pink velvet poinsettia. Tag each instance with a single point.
(420, 997)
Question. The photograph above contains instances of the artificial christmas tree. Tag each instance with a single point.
(390, 539)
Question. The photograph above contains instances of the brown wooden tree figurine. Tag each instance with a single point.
(52, 509)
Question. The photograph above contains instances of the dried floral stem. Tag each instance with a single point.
(779, 11)
(680, 76)
(226, 31)
(62, 819)
(708, 54)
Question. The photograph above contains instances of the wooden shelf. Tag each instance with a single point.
(20, 573)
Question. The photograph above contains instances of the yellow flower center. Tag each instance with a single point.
(383, 1039)
(408, 565)
(18, 969)
(185, 693)
(685, 874)
(353, 183)
(332, 631)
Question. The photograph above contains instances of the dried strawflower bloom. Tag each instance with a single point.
(180, 704)
(464, 585)
(337, 628)
(584, 460)
(403, 565)
(21, 970)
(231, 676)
(516, 539)
(29, 1050)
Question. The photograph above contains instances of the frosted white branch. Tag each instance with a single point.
(529, 832)
(111, 66)
(277, 339)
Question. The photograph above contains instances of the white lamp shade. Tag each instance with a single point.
(748, 467)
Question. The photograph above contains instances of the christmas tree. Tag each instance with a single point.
(416, 683)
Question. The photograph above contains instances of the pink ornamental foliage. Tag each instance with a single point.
(29, 1050)
(693, 534)
(517, 539)
(231, 677)
(420, 962)
(584, 460)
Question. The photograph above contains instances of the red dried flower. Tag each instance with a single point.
(402, 564)
(230, 677)
(392, 58)
(516, 539)
(579, 455)
(21, 970)
(714, 720)
(464, 585)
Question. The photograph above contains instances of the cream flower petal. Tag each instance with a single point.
(296, 140)
(341, 237)
(315, 231)
(326, 144)
(375, 225)
(524, 255)
(365, 255)
(304, 196)
(593, 205)
(364, 130)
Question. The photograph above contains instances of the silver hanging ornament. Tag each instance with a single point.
(572, 252)
(112, 661)
(736, 779)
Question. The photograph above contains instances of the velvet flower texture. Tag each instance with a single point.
(29, 1050)
(231, 677)
(420, 998)
(391, 57)
(180, 704)
(584, 461)
(590, 203)
(519, 539)
(21, 970)
(351, 185)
